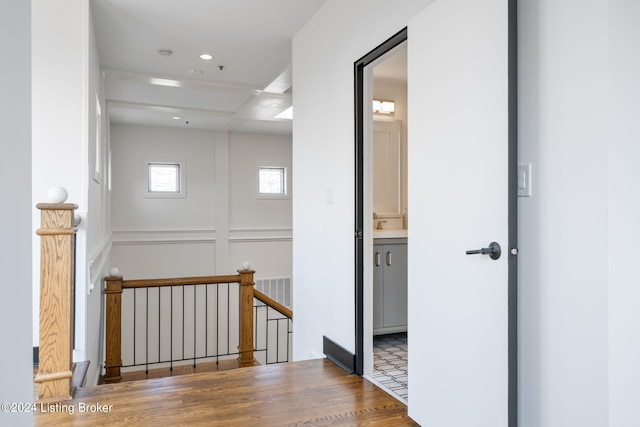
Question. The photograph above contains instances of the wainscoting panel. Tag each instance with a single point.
(269, 258)
(178, 253)
(152, 260)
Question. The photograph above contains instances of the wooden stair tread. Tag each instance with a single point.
(189, 369)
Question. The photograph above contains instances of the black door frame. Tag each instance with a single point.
(359, 66)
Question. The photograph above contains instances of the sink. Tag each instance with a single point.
(390, 234)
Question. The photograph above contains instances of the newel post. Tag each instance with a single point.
(56, 299)
(246, 317)
(113, 327)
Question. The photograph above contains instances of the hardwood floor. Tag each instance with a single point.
(313, 392)
(223, 365)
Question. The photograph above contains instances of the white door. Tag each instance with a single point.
(458, 192)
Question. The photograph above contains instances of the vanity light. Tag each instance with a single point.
(206, 57)
(383, 106)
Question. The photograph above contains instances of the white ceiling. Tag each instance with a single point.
(250, 39)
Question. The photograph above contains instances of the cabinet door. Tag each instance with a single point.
(378, 278)
(395, 285)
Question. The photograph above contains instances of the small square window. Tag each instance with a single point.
(164, 178)
(273, 181)
(161, 179)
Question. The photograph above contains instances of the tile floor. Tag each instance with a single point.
(390, 363)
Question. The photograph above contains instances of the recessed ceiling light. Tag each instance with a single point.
(206, 57)
(176, 117)
(165, 52)
(165, 82)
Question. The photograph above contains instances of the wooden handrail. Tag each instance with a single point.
(202, 280)
(273, 304)
(114, 286)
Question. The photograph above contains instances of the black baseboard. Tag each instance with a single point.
(36, 356)
(338, 355)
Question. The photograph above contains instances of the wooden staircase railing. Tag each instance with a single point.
(246, 318)
(115, 285)
(273, 304)
(55, 366)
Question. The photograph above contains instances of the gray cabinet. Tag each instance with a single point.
(389, 285)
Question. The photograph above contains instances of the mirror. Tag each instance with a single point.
(386, 167)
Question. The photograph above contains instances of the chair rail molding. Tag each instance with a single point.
(164, 236)
(242, 235)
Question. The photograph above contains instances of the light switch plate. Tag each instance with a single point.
(330, 197)
(524, 180)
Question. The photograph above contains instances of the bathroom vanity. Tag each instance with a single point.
(390, 227)
(389, 281)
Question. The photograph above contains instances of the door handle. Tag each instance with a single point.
(494, 251)
(377, 259)
(388, 257)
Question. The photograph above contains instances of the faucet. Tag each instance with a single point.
(380, 221)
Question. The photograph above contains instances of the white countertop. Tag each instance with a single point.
(390, 234)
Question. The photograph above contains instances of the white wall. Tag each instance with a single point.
(15, 244)
(259, 227)
(624, 211)
(563, 108)
(578, 277)
(324, 52)
(162, 237)
(218, 225)
(96, 220)
(246, 208)
(66, 80)
(132, 209)
(59, 113)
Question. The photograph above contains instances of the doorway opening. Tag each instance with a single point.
(381, 203)
(387, 143)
